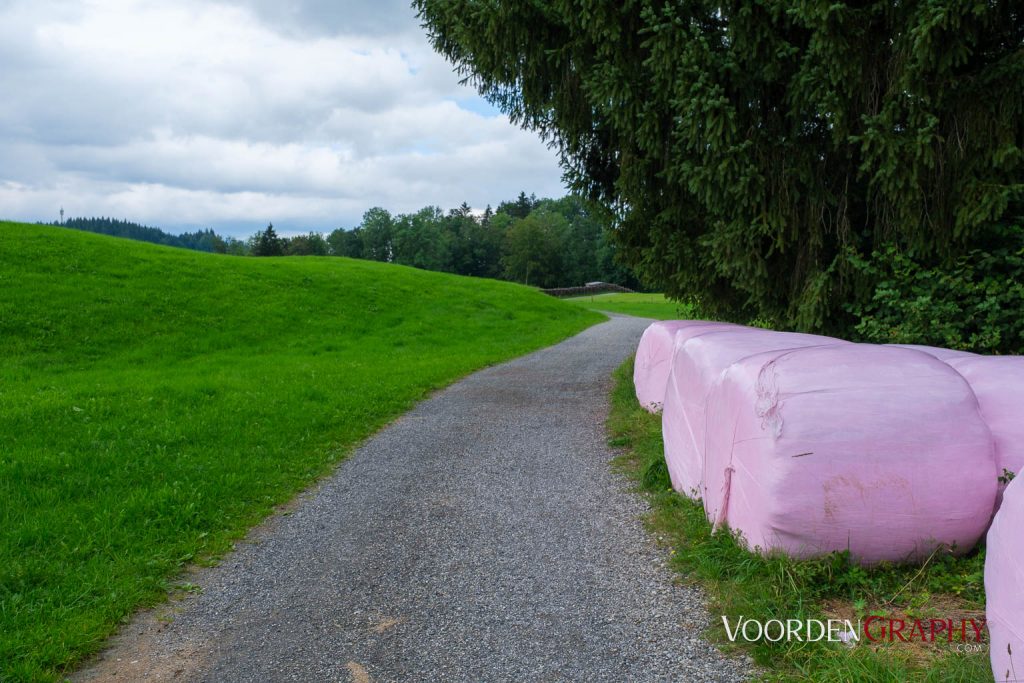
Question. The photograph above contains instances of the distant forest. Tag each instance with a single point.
(540, 242)
(201, 240)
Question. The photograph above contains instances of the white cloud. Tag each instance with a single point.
(192, 113)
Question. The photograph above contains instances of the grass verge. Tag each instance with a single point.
(641, 305)
(155, 403)
(741, 583)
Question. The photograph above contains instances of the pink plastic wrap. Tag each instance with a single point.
(875, 449)
(654, 357)
(697, 361)
(1004, 586)
(937, 351)
(998, 382)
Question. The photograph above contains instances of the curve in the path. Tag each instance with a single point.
(481, 537)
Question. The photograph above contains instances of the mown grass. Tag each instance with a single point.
(155, 403)
(641, 305)
(741, 583)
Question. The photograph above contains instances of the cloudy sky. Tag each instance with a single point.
(194, 113)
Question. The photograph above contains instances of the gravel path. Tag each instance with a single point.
(481, 537)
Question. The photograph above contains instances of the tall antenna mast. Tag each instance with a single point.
(62, 215)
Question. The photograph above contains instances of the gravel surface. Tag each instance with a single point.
(481, 537)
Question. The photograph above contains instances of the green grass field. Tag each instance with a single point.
(642, 305)
(739, 582)
(155, 403)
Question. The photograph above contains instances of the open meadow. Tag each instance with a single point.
(639, 304)
(155, 403)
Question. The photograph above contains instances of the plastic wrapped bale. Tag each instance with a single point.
(937, 351)
(654, 357)
(877, 450)
(697, 361)
(998, 383)
(1004, 586)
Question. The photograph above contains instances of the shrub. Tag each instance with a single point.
(972, 302)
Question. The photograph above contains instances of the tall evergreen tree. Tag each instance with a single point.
(520, 208)
(750, 150)
(267, 243)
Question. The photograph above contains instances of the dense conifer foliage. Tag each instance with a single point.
(756, 153)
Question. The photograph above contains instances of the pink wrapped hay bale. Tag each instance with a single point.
(998, 382)
(937, 351)
(875, 449)
(1004, 586)
(654, 357)
(697, 362)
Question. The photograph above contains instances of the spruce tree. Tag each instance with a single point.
(267, 243)
(752, 151)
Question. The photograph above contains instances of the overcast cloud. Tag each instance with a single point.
(187, 113)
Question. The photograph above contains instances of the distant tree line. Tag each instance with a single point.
(546, 243)
(200, 240)
(540, 242)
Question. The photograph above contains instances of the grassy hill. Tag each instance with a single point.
(155, 403)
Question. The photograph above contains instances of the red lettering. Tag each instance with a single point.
(893, 631)
(935, 626)
(978, 629)
(919, 629)
(867, 628)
